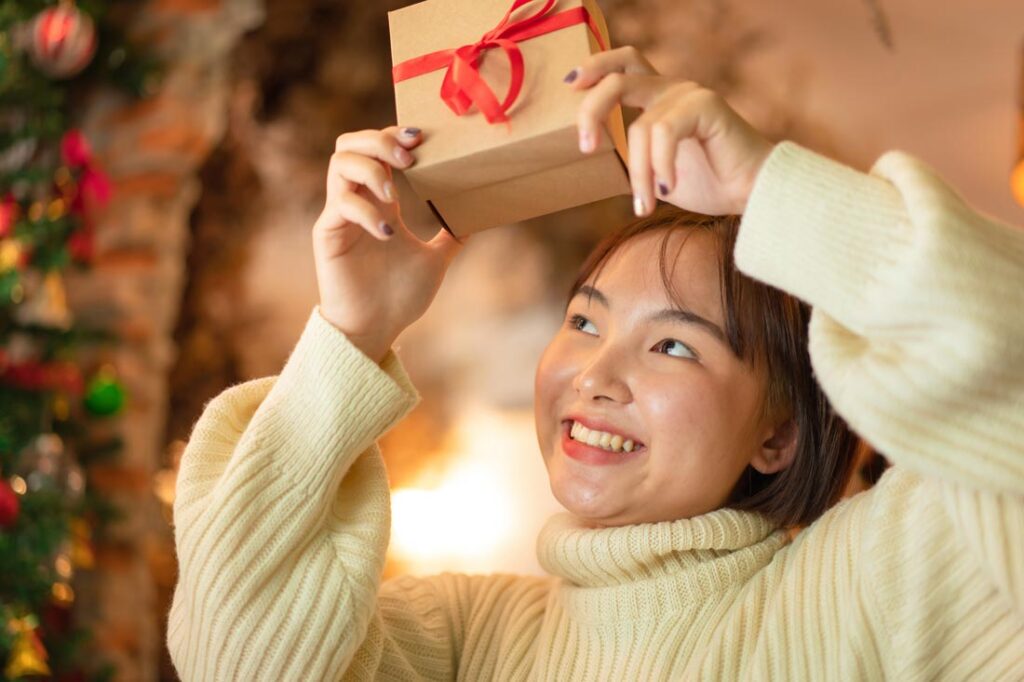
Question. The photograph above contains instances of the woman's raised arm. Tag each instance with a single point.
(282, 515)
(917, 337)
(918, 327)
(282, 518)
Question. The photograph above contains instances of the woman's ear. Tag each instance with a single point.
(778, 448)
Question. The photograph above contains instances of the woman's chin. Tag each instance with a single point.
(587, 500)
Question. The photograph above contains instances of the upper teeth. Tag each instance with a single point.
(600, 439)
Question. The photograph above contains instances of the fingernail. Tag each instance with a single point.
(638, 206)
(403, 156)
(586, 141)
(571, 76)
(389, 191)
(411, 132)
(386, 229)
(663, 189)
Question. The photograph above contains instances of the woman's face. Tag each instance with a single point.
(629, 363)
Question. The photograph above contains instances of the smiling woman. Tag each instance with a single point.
(681, 425)
(709, 373)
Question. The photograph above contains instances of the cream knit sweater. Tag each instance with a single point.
(282, 514)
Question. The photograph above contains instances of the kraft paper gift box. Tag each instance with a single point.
(480, 165)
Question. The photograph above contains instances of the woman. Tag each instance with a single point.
(673, 561)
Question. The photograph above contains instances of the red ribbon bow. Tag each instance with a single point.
(463, 86)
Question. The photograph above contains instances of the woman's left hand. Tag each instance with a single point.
(688, 146)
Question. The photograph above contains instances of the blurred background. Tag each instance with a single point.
(161, 165)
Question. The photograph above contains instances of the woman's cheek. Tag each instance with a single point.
(680, 407)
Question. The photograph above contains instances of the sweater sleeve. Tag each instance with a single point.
(917, 338)
(917, 333)
(282, 520)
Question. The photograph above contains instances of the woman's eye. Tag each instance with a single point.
(675, 348)
(582, 324)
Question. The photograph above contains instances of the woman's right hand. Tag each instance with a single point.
(375, 277)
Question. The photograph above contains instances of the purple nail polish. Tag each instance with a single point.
(571, 76)
(386, 229)
(662, 189)
(411, 132)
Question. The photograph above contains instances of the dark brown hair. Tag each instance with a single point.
(766, 328)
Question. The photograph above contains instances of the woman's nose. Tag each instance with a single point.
(603, 377)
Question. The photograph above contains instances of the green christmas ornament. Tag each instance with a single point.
(104, 394)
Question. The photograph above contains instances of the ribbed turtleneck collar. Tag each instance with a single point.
(637, 570)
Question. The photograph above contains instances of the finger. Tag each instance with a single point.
(615, 88)
(662, 119)
(663, 156)
(407, 136)
(694, 118)
(640, 176)
(351, 208)
(356, 169)
(626, 59)
(379, 144)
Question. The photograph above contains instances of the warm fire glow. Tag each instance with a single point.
(484, 513)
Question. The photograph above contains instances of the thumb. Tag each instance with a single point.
(446, 245)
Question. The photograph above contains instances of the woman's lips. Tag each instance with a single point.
(588, 454)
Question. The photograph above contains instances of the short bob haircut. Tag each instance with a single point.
(766, 328)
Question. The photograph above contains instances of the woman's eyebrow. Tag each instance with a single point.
(592, 294)
(667, 315)
(689, 317)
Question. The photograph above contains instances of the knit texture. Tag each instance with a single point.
(283, 512)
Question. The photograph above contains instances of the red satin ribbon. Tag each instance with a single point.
(463, 86)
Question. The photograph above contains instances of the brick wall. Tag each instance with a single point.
(152, 150)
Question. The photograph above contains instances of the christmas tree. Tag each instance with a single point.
(55, 390)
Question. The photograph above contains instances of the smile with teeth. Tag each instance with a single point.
(601, 439)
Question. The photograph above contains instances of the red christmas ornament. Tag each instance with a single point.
(9, 504)
(62, 41)
(8, 215)
(75, 150)
(94, 187)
